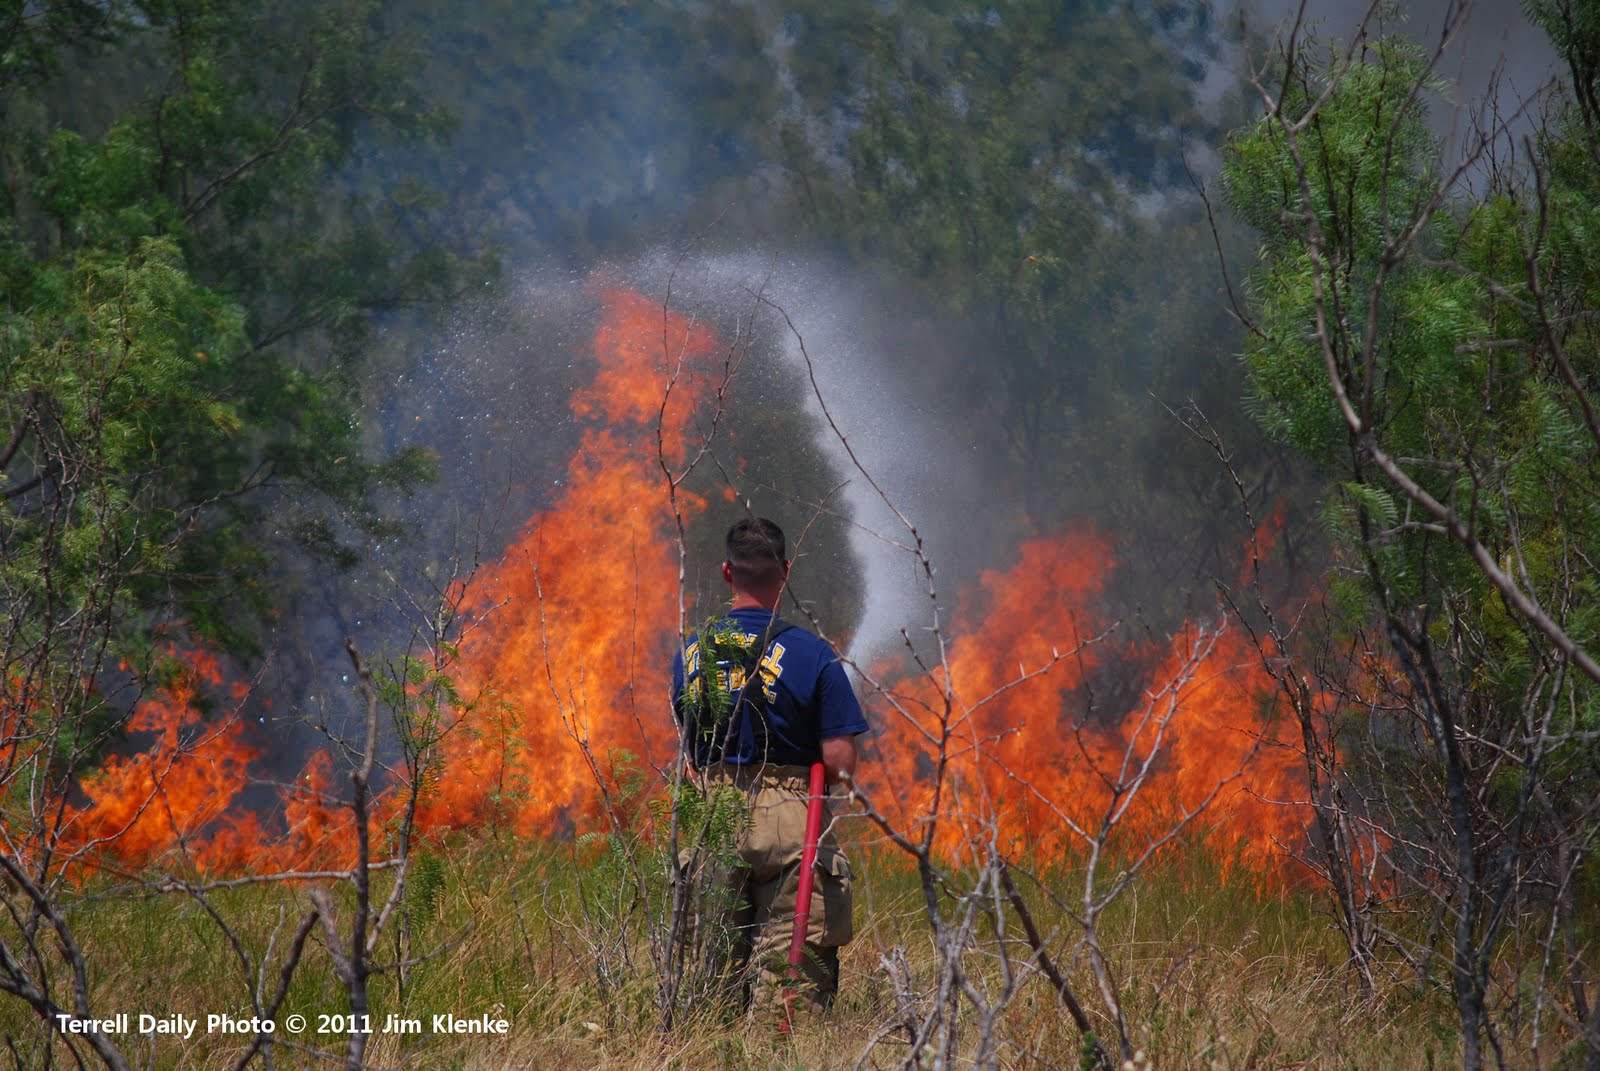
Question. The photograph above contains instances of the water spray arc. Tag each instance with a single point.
(568, 650)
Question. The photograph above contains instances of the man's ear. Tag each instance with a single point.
(727, 572)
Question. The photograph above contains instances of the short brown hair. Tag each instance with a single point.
(756, 552)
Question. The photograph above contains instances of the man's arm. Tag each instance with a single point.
(839, 720)
(839, 758)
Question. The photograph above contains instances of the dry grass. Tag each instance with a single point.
(1213, 976)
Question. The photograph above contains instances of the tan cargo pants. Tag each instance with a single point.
(764, 890)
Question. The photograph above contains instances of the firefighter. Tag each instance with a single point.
(786, 703)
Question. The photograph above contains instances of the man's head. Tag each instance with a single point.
(756, 564)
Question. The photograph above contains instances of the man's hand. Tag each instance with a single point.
(839, 758)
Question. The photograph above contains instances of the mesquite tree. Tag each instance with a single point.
(187, 280)
(1429, 341)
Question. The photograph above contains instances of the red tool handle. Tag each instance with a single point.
(808, 863)
(802, 903)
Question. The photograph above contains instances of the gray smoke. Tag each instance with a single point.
(1496, 57)
(906, 469)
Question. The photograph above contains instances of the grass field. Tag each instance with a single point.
(1211, 974)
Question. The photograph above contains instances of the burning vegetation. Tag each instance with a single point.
(228, 233)
(561, 665)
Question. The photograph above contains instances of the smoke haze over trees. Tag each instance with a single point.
(986, 190)
(301, 305)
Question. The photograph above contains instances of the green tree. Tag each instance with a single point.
(191, 261)
(1426, 345)
(187, 294)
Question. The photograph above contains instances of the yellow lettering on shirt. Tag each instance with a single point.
(771, 668)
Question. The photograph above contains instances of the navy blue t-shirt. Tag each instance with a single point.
(800, 697)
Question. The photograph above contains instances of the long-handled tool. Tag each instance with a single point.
(802, 903)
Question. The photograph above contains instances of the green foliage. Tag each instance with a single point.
(425, 886)
(191, 268)
(707, 702)
(422, 697)
(32, 36)
(710, 821)
(1428, 346)
(1428, 352)
(118, 399)
(1359, 179)
(1089, 1052)
(695, 849)
(658, 881)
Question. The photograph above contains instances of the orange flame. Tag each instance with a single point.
(166, 797)
(570, 633)
(1025, 756)
(318, 834)
(578, 615)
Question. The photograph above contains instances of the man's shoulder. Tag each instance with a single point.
(811, 649)
(777, 626)
(793, 635)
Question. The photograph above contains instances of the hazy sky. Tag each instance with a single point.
(1496, 31)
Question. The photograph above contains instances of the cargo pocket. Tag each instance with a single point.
(773, 835)
(833, 889)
